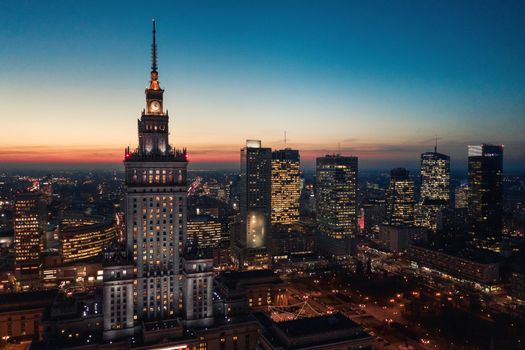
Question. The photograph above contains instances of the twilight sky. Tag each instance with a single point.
(379, 79)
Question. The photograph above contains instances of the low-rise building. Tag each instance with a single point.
(20, 313)
(327, 332)
(517, 286)
(85, 238)
(398, 238)
(289, 241)
(261, 288)
(479, 269)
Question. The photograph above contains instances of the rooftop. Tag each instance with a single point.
(316, 325)
(20, 301)
(312, 332)
(476, 255)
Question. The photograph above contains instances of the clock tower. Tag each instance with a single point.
(153, 125)
(156, 191)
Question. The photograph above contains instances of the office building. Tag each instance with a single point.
(259, 289)
(461, 197)
(206, 229)
(286, 187)
(29, 227)
(255, 192)
(485, 180)
(291, 242)
(156, 196)
(400, 199)
(46, 188)
(435, 188)
(475, 268)
(399, 238)
(85, 238)
(435, 176)
(336, 202)
(249, 247)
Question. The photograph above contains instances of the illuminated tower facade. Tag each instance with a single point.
(255, 199)
(400, 199)
(435, 188)
(249, 244)
(336, 200)
(286, 187)
(485, 180)
(29, 227)
(156, 191)
(206, 228)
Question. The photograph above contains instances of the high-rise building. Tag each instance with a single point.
(336, 202)
(255, 196)
(46, 188)
(435, 188)
(205, 229)
(249, 247)
(29, 227)
(156, 196)
(400, 199)
(485, 177)
(435, 176)
(286, 187)
(461, 197)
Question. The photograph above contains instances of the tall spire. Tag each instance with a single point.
(154, 83)
(154, 49)
(436, 145)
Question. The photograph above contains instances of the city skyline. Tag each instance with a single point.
(355, 79)
(251, 250)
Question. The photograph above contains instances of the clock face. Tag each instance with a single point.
(155, 106)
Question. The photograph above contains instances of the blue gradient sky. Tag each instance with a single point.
(379, 78)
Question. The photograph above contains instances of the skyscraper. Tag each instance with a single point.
(485, 173)
(249, 245)
(400, 199)
(286, 186)
(336, 202)
(156, 191)
(255, 193)
(29, 226)
(435, 188)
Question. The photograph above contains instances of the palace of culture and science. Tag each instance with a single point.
(156, 291)
(156, 208)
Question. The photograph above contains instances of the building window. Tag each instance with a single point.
(235, 342)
